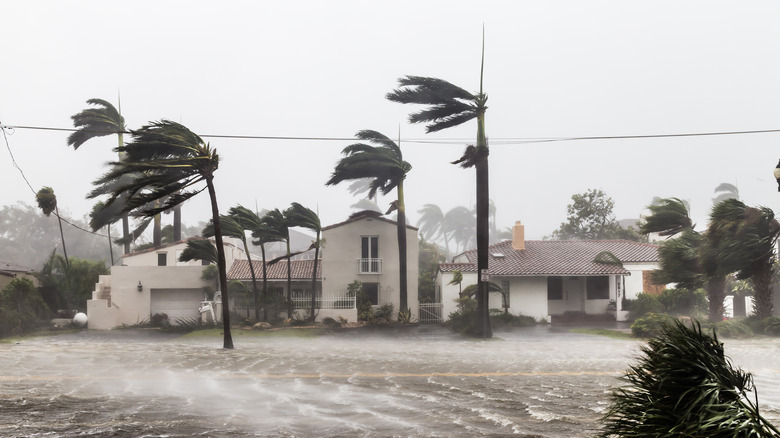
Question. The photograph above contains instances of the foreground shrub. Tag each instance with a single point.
(684, 386)
(21, 308)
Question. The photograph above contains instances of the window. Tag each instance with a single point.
(597, 288)
(370, 263)
(372, 291)
(554, 288)
(162, 259)
(505, 288)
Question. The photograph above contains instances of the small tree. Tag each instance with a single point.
(590, 216)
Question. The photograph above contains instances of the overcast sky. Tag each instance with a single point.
(553, 69)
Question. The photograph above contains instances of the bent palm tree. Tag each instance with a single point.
(277, 223)
(101, 121)
(448, 106)
(300, 216)
(743, 241)
(248, 220)
(432, 224)
(384, 165)
(167, 161)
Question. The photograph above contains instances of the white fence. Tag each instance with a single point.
(431, 313)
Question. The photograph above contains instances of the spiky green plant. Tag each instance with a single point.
(684, 386)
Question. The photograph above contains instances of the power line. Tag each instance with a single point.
(24, 177)
(459, 141)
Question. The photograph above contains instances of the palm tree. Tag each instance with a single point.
(459, 222)
(47, 202)
(167, 161)
(279, 225)
(250, 221)
(742, 240)
(448, 106)
(385, 166)
(232, 228)
(300, 216)
(100, 122)
(687, 260)
(95, 209)
(199, 249)
(432, 224)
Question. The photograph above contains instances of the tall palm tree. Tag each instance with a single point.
(95, 209)
(47, 202)
(300, 216)
(199, 249)
(448, 106)
(168, 161)
(459, 222)
(99, 121)
(384, 165)
(276, 221)
(742, 240)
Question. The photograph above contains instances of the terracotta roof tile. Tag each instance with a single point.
(301, 270)
(558, 257)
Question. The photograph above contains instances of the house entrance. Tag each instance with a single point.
(574, 294)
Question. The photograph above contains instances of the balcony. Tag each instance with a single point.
(369, 266)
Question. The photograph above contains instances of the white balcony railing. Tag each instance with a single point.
(369, 266)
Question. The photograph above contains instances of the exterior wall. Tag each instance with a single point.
(233, 250)
(527, 296)
(127, 304)
(634, 283)
(6, 278)
(343, 249)
(450, 292)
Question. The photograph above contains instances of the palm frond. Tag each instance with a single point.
(199, 249)
(95, 122)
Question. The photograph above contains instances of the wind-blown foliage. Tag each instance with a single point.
(300, 216)
(668, 217)
(278, 227)
(199, 249)
(742, 240)
(386, 170)
(684, 386)
(167, 162)
(47, 202)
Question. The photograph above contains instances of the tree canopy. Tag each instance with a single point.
(590, 217)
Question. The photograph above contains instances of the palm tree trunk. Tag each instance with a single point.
(402, 285)
(289, 280)
(62, 236)
(716, 293)
(110, 245)
(125, 218)
(762, 292)
(177, 224)
(255, 292)
(314, 276)
(157, 228)
(482, 322)
(265, 282)
(227, 341)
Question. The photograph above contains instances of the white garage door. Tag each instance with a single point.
(177, 303)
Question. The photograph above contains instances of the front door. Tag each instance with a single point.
(574, 294)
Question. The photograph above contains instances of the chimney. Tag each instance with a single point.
(518, 236)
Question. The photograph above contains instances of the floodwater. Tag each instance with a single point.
(419, 381)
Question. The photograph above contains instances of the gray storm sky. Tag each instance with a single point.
(553, 69)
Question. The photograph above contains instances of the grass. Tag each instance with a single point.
(614, 334)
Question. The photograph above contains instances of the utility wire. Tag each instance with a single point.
(494, 141)
(24, 177)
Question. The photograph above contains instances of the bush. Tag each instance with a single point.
(731, 329)
(644, 304)
(671, 301)
(331, 323)
(499, 317)
(766, 326)
(21, 308)
(405, 316)
(462, 320)
(683, 385)
(159, 320)
(649, 325)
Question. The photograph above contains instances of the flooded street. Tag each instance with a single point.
(421, 381)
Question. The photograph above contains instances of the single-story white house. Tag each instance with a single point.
(550, 280)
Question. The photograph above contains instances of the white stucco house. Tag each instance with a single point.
(149, 282)
(551, 280)
(365, 248)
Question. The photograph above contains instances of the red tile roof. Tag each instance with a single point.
(301, 270)
(558, 257)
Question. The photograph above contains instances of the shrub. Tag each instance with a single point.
(764, 326)
(159, 320)
(331, 323)
(499, 317)
(649, 325)
(644, 304)
(21, 308)
(684, 386)
(405, 316)
(462, 320)
(732, 329)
